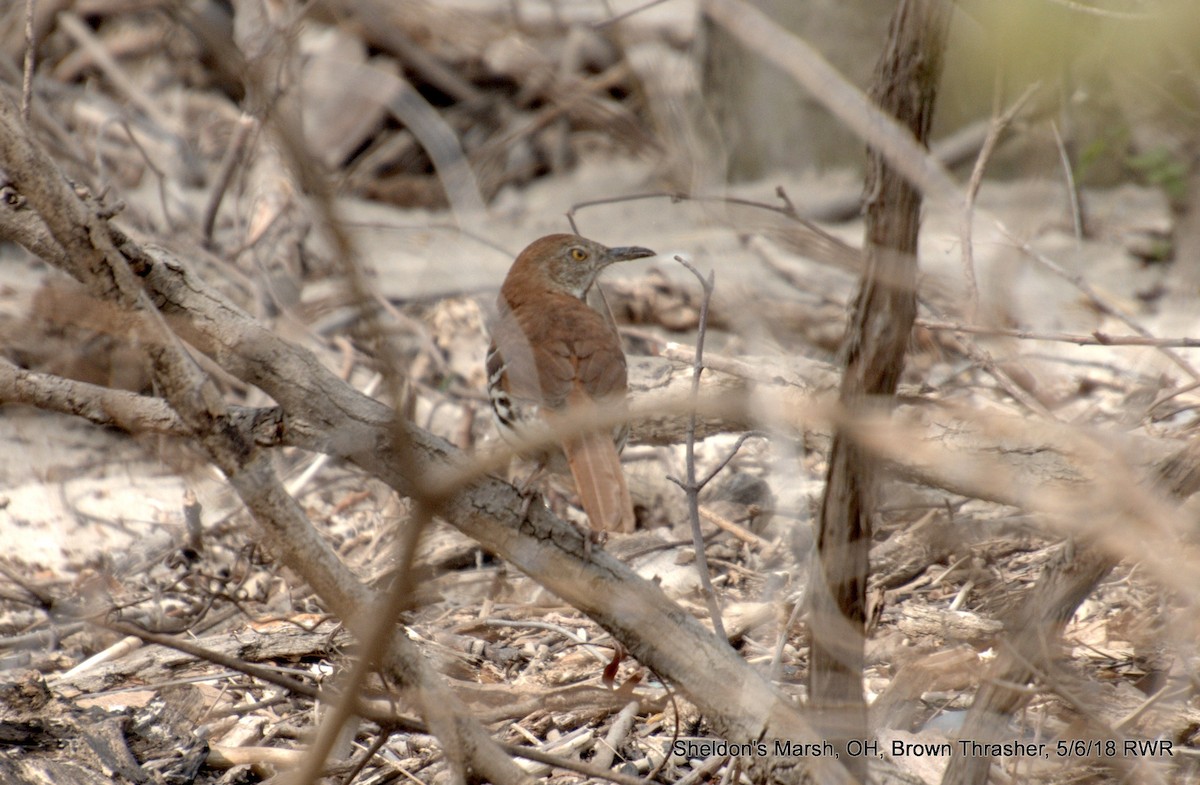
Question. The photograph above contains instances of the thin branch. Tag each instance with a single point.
(737, 530)
(385, 733)
(626, 14)
(371, 710)
(1091, 10)
(160, 177)
(996, 127)
(1072, 188)
(570, 764)
(818, 243)
(682, 196)
(229, 163)
(1101, 303)
(1095, 338)
(101, 405)
(1002, 377)
(82, 35)
(691, 487)
(736, 446)
(30, 63)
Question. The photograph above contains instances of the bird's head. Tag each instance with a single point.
(569, 263)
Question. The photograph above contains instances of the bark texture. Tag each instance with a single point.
(877, 336)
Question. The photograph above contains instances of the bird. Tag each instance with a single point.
(551, 353)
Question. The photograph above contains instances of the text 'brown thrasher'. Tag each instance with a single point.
(552, 353)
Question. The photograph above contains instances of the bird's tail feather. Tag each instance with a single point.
(596, 467)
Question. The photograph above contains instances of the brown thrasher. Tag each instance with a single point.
(552, 352)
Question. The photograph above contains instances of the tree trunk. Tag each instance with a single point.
(905, 85)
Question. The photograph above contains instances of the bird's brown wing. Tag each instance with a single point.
(564, 366)
(577, 351)
(592, 370)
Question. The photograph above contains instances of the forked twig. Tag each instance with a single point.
(691, 487)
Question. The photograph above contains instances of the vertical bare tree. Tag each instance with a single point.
(873, 350)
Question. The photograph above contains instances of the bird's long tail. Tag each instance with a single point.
(596, 467)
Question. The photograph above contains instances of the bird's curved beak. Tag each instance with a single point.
(628, 252)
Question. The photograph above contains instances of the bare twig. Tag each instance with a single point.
(690, 486)
(1091, 10)
(1002, 377)
(30, 61)
(558, 629)
(741, 532)
(1101, 303)
(682, 196)
(704, 771)
(616, 735)
(571, 764)
(82, 35)
(381, 738)
(1072, 189)
(815, 241)
(1095, 338)
(101, 405)
(736, 446)
(160, 177)
(996, 127)
(372, 710)
(229, 164)
(626, 14)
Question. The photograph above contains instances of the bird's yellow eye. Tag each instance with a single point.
(578, 254)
